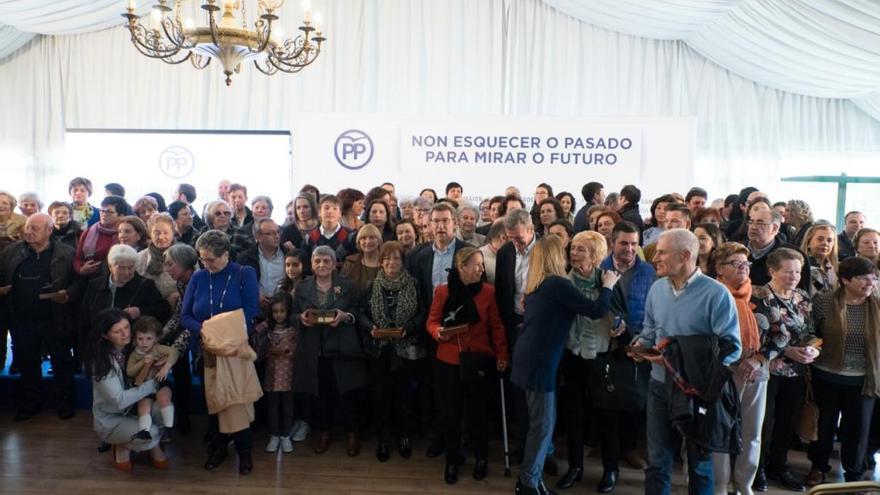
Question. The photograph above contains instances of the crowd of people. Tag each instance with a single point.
(711, 329)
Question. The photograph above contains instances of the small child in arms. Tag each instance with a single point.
(151, 360)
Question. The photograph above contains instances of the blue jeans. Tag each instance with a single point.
(663, 442)
(542, 417)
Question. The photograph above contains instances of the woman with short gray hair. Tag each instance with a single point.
(222, 287)
(122, 287)
(330, 365)
(262, 206)
(180, 262)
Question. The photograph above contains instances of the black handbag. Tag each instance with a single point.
(616, 382)
(259, 342)
(473, 366)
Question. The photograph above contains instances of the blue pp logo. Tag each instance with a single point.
(176, 162)
(353, 149)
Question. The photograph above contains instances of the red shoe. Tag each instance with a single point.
(122, 466)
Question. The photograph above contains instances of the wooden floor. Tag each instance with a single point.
(46, 455)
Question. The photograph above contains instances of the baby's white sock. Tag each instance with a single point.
(167, 415)
(145, 422)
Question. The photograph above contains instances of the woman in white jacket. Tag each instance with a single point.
(115, 417)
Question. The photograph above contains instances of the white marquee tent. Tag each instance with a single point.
(778, 86)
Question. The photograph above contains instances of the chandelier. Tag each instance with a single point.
(174, 40)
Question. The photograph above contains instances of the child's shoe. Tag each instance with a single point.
(272, 447)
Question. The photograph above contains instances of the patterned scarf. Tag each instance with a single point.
(157, 257)
(407, 300)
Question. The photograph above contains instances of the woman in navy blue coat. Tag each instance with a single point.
(552, 302)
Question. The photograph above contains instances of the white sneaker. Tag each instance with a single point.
(286, 445)
(272, 447)
(300, 431)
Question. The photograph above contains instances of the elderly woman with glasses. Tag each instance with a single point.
(731, 265)
(784, 316)
(223, 286)
(330, 365)
(846, 377)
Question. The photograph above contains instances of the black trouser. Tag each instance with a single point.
(243, 440)
(455, 391)
(182, 374)
(785, 398)
(616, 429)
(280, 412)
(516, 397)
(854, 410)
(392, 398)
(328, 396)
(28, 340)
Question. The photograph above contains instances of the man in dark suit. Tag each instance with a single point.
(430, 266)
(853, 222)
(511, 272)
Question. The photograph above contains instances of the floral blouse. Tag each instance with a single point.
(783, 323)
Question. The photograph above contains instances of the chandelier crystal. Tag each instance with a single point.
(226, 37)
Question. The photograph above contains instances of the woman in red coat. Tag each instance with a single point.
(467, 361)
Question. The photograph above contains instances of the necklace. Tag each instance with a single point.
(211, 292)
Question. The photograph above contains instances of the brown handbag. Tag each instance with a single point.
(808, 422)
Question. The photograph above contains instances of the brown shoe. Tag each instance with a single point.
(814, 477)
(634, 460)
(322, 442)
(354, 445)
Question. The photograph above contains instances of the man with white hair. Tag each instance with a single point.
(684, 302)
(36, 283)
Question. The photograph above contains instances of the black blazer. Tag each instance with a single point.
(505, 286)
(420, 264)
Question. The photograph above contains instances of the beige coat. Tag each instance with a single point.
(231, 383)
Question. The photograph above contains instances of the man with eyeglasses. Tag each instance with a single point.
(763, 231)
(266, 257)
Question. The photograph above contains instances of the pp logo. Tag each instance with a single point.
(353, 149)
(176, 162)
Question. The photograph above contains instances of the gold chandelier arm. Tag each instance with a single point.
(172, 61)
(264, 30)
(176, 35)
(268, 70)
(148, 44)
(197, 61)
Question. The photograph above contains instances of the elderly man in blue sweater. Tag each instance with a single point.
(683, 302)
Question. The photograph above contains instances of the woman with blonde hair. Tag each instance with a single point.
(820, 245)
(362, 267)
(587, 339)
(465, 363)
(551, 304)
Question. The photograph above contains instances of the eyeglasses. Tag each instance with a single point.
(871, 279)
(223, 213)
(739, 265)
(107, 212)
(760, 225)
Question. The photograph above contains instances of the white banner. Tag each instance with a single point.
(486, 155)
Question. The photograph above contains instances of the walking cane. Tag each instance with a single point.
(504, 430)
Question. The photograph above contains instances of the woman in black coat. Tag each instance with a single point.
(330, 364)
(392, 301)
(122, 287)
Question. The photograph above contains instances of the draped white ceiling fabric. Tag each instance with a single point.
(826, 48)
(760, 81)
